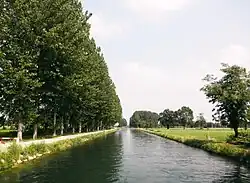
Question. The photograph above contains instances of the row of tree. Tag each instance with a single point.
(230, 94)
(182, 117)
(52, 73)
(168, 118)
(144, 119)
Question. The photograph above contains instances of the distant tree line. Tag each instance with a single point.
(182, 117)
(144, 119)
(53, 76)
(123, 122)
(230, 95)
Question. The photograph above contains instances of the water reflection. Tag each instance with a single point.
(129, 156)
(237, 174)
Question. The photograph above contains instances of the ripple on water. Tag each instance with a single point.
(131, 157)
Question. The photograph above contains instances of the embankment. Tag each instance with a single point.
(236, 152)
(15, 154)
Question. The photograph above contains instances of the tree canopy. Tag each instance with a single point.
(144, 119)
(123, 122)
(230, 95)
(181, 117)
(52, 73)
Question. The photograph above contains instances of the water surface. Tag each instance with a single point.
(129, 156)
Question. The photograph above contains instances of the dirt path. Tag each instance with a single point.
(3, 147)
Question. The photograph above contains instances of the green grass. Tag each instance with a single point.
(217, 134)
(16, 152)
(7, 133)
(212, 140)
(28, 137)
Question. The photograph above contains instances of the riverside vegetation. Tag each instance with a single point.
(230, 95)
(16, 154)
(54, 79)
(217, 141)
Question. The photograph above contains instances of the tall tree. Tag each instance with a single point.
(167, 118)
(185, 116)
(144, 119)
(123, 122)
(51, 70)
(200, 121)
(18, 65)
(230, 94)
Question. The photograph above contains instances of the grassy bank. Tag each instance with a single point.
(214, 141)
(17, 154)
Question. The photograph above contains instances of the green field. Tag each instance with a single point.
(216, 134)
(219, 141)
(219, 135)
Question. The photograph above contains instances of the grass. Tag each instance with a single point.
(219, 135)
(217, 141)
(28, 137)
(17, 154)
(7, 133)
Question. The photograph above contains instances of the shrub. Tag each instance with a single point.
(14, 151)
(8, 159)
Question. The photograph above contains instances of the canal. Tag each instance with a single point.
(130, 156)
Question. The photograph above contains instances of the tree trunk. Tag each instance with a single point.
(73, 129)
(35, 132)
(20, 132)
(245, 126)
(62, 126)
(236, 133)
(80, 127)
(66, 125)
(87, 129)
(54, 134)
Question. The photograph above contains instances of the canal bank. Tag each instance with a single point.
(14, 154)
(129, 156)
(234, 152)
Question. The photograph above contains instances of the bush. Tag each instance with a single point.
(242, 139)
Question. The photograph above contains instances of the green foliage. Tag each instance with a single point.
(181, 117)
(144, 119)
(15, 152)
(123, 122)
(200, 121)
(242, 139)
(52, 70)
(230, 94)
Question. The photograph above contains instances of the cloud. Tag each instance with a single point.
(151, 86)
(146, 87)
(152, 9)
(101, 28)
(236, 54)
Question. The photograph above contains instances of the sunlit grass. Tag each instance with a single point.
(211, 140)
(218, 134)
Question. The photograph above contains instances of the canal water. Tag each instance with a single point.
(129, 156)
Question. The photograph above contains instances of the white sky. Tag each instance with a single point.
(158, 51)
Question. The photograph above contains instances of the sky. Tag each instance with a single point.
(158, 51)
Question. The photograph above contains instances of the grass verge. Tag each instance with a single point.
(17, 154)
(212, 145)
